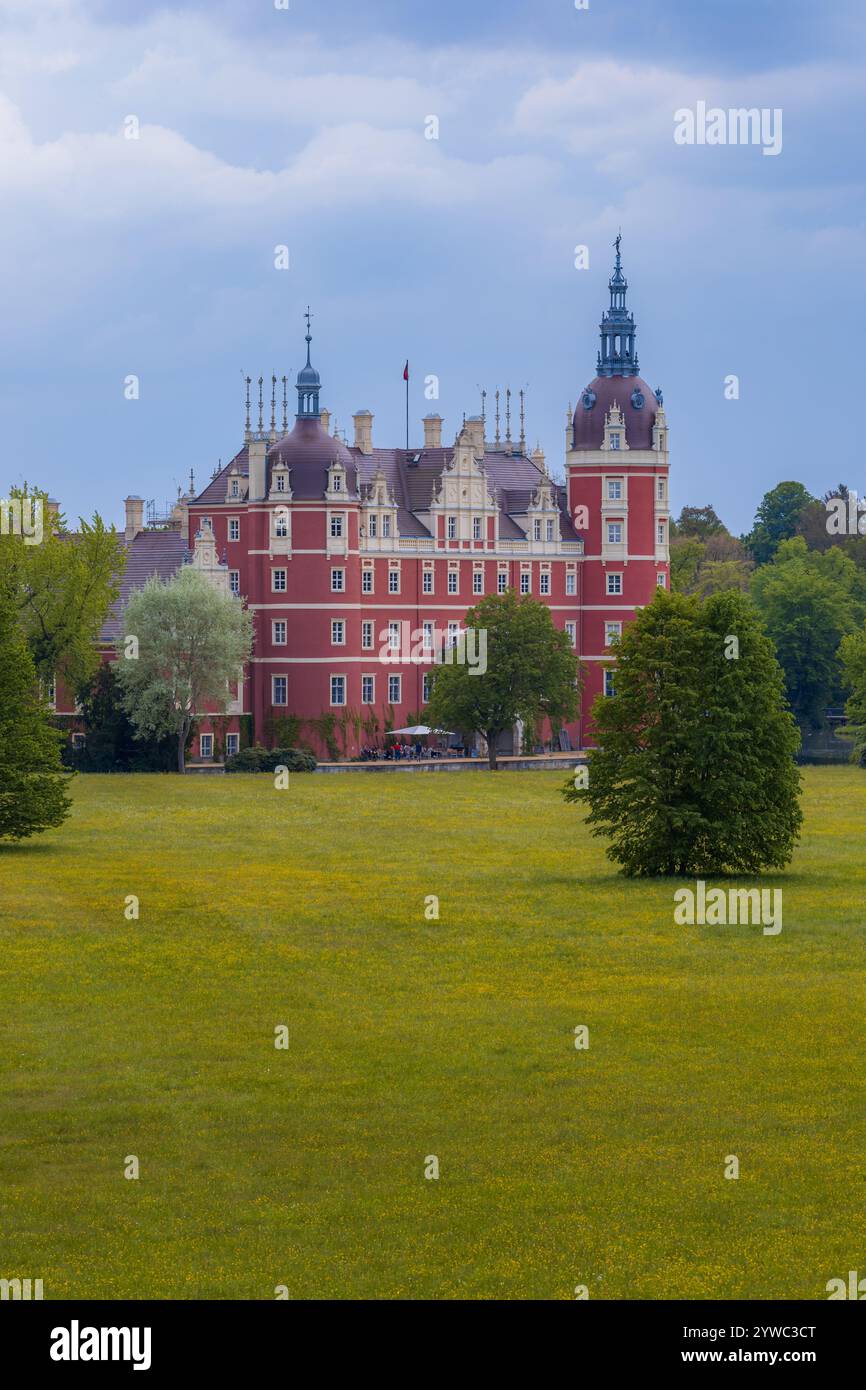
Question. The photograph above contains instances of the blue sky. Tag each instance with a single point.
(261, 127)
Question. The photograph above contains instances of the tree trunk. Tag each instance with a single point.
(491, 752)
(181, 745)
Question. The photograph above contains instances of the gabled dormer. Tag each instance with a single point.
(542, 516)
(236, 485)
(379, 530)
(463, 510)
(336, 490)
(614, 430)
(281, 482)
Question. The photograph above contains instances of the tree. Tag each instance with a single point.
(531, 674)
(63, 588)
(699, 522)
(184, 642)
(33, 794)
(777, 519)
(111, 743)
(808, 602)
(852, 653)
(695, 772)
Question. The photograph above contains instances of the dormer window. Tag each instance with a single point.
(536, 531)
(614, 439)
(386, 525)
(281, 482)
(550, 530)
(372, 526)
(336, 483)
(235, 489)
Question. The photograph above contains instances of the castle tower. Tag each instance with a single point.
(617, 469)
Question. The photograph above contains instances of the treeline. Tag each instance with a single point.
(804, 566)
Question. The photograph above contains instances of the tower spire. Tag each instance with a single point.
(617, 355)
(308, 384)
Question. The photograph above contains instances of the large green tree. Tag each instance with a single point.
(777, 519)
(694, 772)
(852, 653)
(809, 601)
(531, 674)
(63, 588)
(33, 794)
(184, 644)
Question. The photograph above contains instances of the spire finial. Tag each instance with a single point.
(522, 419)
(249, 381)
(308, 316)
(617, 356)
(261, 406)
(497, 417)
(508, 414)
(191, 483)
(285, 405)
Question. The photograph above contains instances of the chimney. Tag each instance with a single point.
(52, 506)
(475, 430)
(134, 517)
(538, 456)
(257, 453)
(432, 431)
(363, 431)
(326, 420)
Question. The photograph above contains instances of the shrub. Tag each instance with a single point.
(258, 759)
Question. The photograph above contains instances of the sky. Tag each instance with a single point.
(305, 123)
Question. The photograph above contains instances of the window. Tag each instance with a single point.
(337, 524)
(393, 637)
(614, 533)
(545, 583)
(336, 482)
(233, 743)
(425, 686)
(550, 530)
(608, 683)
(502, 581)
(614, 489)
(453, 581)
(234, 529)
(393, 581)
(338, 632)
(368, 690)
(366, 581)
(205, 745)
(661, 580)
(614, 439)
(235, 581)
(79, 740)
(338, 581)
(571, 629)
(338, 690)
(279, 690)
(386, 525)
(278, 632)
(51, 692)
(525, 583)
(281, 482)
(476, 528)
(371, 526)
(278, 581)
(367, 635)
(660, 533)
(394, 687)
(427, 631)
(478, 582)
(427, 582)
(660, 489)
(536, 530)
(281, 524)
(235, 490)
(571, 584)
(612, 633)
(614, 583)
(453, 633)
(452, 527)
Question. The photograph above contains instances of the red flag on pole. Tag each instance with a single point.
(406, 371)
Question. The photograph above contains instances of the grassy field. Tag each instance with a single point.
(411, 1037)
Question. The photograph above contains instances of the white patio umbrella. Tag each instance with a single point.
(417, 730)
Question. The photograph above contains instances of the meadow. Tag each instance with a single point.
(408, 1037)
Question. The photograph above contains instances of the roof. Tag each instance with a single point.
(158, 553)
(411, 475)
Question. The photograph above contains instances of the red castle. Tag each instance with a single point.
(351, 558)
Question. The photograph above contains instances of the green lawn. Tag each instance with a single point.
(409, 1037)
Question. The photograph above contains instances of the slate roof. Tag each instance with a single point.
(152, 552)
(412, 475)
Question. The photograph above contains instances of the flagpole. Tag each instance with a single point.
(407, 407)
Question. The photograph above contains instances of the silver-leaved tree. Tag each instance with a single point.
(183, 647)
